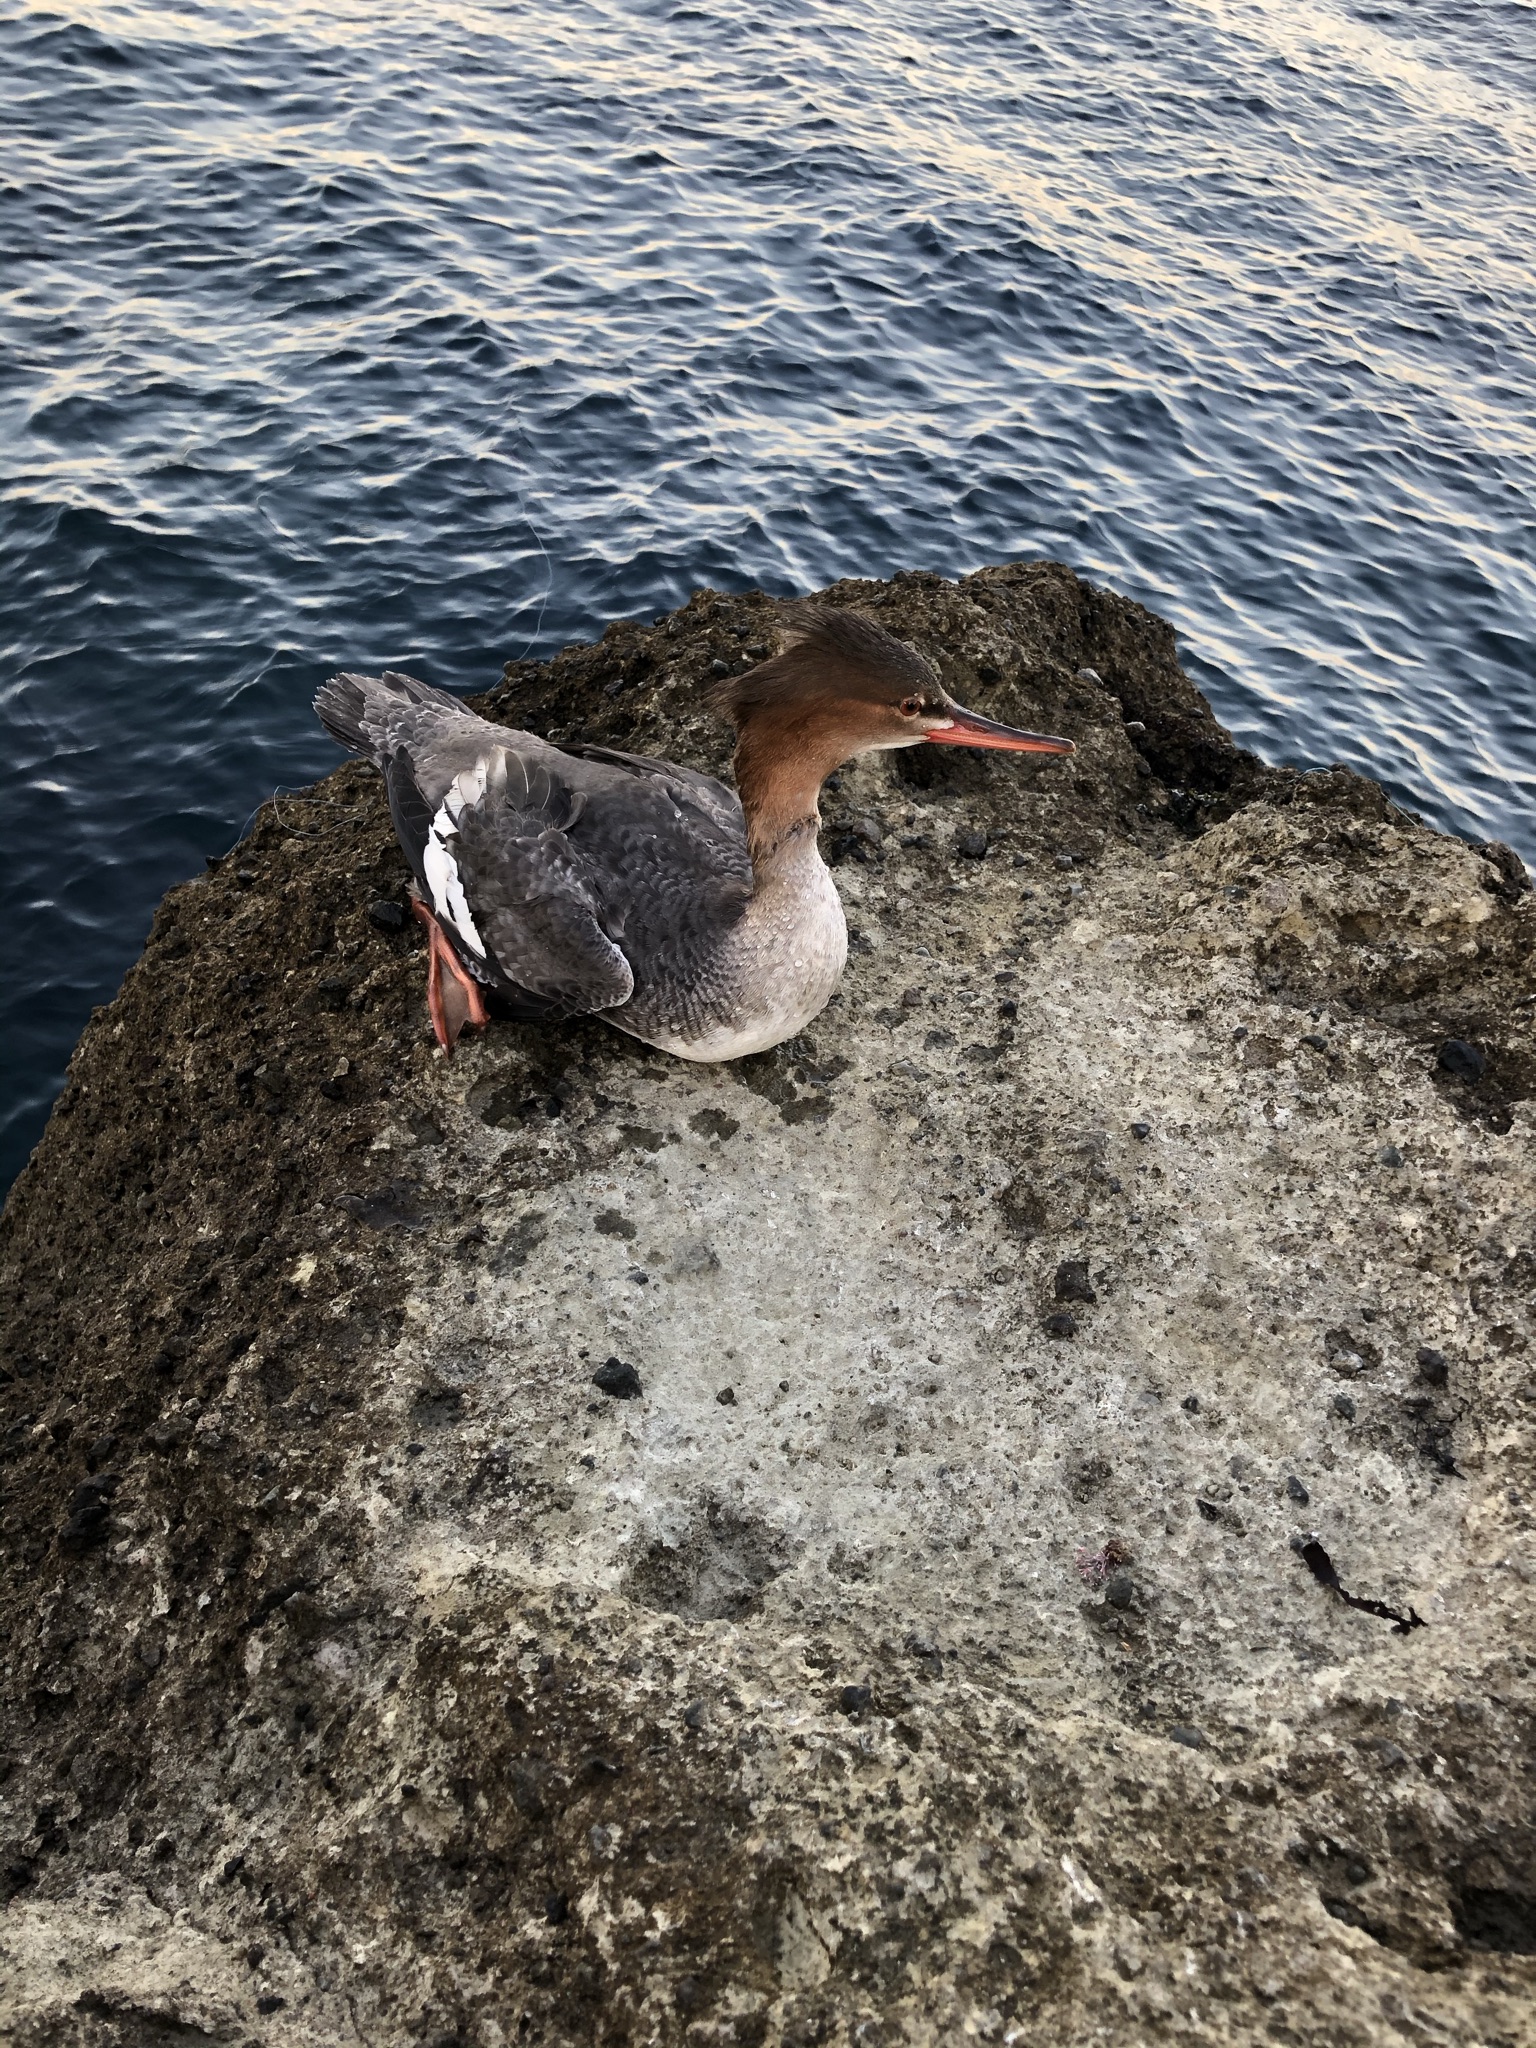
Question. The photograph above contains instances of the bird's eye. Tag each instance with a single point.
(910, 706)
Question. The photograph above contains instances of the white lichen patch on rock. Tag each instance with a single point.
(904, 1436)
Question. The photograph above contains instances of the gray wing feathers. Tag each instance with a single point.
(568, 877)
(686, 786)
(540, 917)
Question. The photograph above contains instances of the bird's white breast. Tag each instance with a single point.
(782, 963)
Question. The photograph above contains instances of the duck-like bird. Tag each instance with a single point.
(579, 880)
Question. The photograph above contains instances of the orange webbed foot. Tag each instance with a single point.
(454, 999)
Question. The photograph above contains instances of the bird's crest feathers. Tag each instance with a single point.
(830, 652)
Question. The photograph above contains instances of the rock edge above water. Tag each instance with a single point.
(924, 1638)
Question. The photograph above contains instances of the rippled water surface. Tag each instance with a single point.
(436, 334)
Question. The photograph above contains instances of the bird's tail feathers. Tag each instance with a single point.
(340, 704)
(356, 710)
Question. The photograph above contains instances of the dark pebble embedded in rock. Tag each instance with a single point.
(1434, 1367)
(1344, 1406)
(1190, 1737)
(972, 844)
(1061, 1324)
(86, 1527)
(1315, 1040)
(726, 1397)
(1388, 1155)
(1462, 1060)
(617, 1379)
(694, 1717)
(385, 916)
(1072, 1283)
(557, 1909)
(1141, 1131)
(1121, 1590)
(1297, 1492)
(270, 2002)
(853, 1699)
(1191, 1404)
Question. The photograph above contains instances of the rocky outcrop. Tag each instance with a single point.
(850, 1547)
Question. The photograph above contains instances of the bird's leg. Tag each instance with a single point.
(453, 997)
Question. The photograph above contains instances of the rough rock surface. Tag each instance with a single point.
(911, 1646)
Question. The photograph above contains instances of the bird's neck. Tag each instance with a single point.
(780, 764)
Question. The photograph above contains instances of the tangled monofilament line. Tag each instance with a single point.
(1095, 1566)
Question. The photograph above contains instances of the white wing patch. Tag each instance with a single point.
(437, 857)
(466, 790)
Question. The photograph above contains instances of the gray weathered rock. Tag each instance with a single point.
(395, 1673)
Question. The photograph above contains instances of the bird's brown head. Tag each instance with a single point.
(841, 681)
(840, 686)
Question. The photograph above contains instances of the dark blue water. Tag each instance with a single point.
(339, 333)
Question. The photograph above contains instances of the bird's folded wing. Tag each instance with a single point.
(536, 913)
(559, 873)
(409, 810)
(703, 794)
